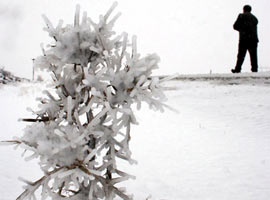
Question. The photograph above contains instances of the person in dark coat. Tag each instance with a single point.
(246, 25)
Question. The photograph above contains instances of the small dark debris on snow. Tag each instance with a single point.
(7, 77)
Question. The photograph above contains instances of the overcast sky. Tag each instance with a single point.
(190, 36)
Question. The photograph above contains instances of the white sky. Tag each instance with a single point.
(190, 36)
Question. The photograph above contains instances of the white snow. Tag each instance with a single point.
(215, 147)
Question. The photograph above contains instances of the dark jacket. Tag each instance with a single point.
(246, 24)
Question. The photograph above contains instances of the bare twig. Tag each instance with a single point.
(44, 119)
(10, 142)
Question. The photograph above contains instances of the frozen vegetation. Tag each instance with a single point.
(82, 127)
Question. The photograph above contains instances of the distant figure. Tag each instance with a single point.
(246, 24)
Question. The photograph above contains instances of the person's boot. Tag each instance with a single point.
(235, 71)
(254, 70)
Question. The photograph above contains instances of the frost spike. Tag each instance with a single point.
(124, 46)
(69, 109)
(50, 27)
(84, 19)
(48, 23)
(111, 23)
(77, 16)
(134, 46)
(110, 11)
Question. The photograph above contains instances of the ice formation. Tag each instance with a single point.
(83, 127)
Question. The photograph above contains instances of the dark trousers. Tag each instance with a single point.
(243, 47)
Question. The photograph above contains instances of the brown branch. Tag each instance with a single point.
(10, 142)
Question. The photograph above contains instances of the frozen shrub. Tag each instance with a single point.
(82, 128)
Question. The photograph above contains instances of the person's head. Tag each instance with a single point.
(247, 8)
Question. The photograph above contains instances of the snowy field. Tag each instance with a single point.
(215, 148)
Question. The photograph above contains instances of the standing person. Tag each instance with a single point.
(246, 25)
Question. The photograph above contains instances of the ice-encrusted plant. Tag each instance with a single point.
(82, 127)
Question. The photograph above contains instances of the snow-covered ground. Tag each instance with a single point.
(215, 147)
